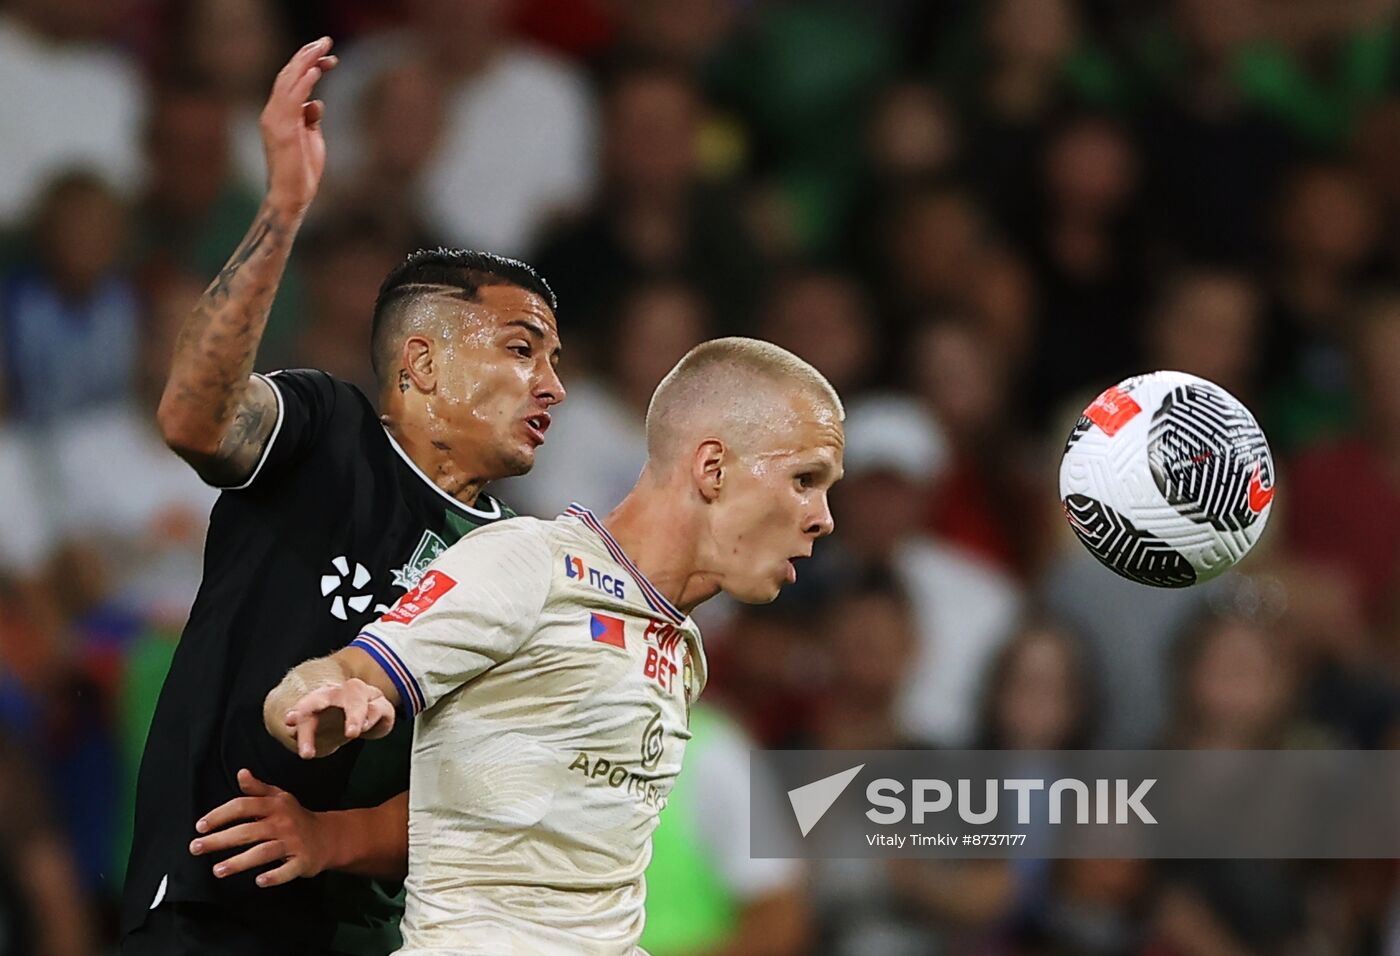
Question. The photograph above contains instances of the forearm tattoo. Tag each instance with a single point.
(216, 347)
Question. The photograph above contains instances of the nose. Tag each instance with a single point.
(549, 388)
(821, 523)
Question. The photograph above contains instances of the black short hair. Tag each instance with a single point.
(428, 270)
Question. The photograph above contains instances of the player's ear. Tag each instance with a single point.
(419, 364)
(707, 468)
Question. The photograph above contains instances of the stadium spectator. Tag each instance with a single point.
(145, 534)
(1093, 908)
(963, 605)
(517, 144)
(1039, 693)
(655, 214)
(868, 638)
(194, 208)
(1128, 631)
(912, 139)
(43, 911)
(401, 127)
(233, 49)
(74, 102)
(897, 906)
(764, 672)
(1010, 66)
(981, 498)
(801, 76)
(343, 258)
(69, 313)
(1326, 245)
(1345, 501)
(1207, 322)
(826, 316)
(27, 537)
(1213, 160)
(1085, 241)
(1237, 688)
(928, 250)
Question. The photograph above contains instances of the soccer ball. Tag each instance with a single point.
(1167, 479)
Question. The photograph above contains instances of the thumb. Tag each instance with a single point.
(252, 786)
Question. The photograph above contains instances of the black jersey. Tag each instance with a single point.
(334, 525)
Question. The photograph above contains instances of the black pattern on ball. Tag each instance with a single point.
(1203, 449)
(1124, 548)
(1077, 432)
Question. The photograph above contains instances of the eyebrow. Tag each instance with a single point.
(823, 468)
(535, 329)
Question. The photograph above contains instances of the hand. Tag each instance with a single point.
(291, 128)
(276, 827)
(324, 720)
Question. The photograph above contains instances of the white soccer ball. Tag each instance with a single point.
(1167, 479)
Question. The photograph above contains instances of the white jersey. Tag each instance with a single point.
(552, 684)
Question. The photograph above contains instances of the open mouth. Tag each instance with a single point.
(792, 566)
(537, 425)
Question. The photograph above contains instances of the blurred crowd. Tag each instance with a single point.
(971, 215)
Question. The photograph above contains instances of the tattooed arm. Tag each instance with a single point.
(213, 413)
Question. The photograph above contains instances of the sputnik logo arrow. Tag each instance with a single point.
(811, 801)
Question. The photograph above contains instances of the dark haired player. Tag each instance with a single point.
(330, 513)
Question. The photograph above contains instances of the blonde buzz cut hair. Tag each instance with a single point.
(734, 387)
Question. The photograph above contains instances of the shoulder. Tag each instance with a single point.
(523, 543)
(309, 380)
(321, 395)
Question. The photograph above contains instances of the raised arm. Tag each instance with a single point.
(213, 413)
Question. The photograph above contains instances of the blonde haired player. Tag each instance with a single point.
(552, 664)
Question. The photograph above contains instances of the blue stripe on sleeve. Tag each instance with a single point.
(410, 696)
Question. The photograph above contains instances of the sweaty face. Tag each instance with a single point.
(496, 381)
(773, 503)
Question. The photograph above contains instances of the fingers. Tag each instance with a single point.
(328, 63)
(239, 808)
(285, 873)
(297, 66)
(356, 705)
(264, 853)
(241, 835)
(254, 787)
(300, 90)
(312, 112)
(306, 735)
(380, 719)
(304, 717)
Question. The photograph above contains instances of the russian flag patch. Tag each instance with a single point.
(607, 630)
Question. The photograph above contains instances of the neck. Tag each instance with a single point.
(435, 461)
(669, 559)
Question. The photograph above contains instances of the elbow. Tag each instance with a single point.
(183, 436)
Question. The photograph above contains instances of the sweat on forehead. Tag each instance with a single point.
(423, 309)
(741, 391)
